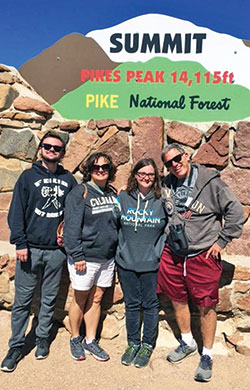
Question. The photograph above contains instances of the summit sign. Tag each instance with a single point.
(166, 43)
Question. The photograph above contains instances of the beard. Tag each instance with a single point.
(54, 159)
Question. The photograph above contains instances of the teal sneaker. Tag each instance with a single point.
(143, 356)
(181, 352)
(76, 348)
(10, 361)
(204, 370)
(42, 350)
(130, 354)
(96, 351)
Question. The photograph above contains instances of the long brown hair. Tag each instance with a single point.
(132, 182)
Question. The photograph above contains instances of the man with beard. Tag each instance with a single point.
(35, 212)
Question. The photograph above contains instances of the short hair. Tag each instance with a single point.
(52, 134)
(170, 147)
(88, 166)
(132, 182)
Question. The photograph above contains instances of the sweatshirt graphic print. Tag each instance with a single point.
(37, 206)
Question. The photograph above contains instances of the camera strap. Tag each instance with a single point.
(188, 202)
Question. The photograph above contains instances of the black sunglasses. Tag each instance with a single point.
(105, 167)
(55, 147)
(176, 159)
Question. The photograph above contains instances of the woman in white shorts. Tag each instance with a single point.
(90, 236)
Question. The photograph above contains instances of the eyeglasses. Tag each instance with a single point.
(143, 175)
(176, 159)
(55, 147)
(104, 167)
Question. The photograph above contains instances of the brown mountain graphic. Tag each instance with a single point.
(247, 43)
(57, 70)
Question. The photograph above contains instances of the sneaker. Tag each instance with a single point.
(76, 348)
(11, 359)
(42, 350)
(130, 354)
(181, 352)
(204, 370)
(143, 356)
(95, 350)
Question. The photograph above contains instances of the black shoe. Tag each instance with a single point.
(130, 354)
(11, 359)
(42, 350)
(143, 356)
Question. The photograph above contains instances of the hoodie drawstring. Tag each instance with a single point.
(137, 209)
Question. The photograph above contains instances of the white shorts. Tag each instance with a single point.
(95, 274)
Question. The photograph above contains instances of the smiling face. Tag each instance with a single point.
(100, 172)
(181, 169)
(145, 178)
(48, 152)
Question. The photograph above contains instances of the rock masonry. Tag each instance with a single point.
(25, 117)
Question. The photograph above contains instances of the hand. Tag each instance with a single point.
(80, 266)
(22, 255)
(214, 251)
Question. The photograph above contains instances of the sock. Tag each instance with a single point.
(87, 341)
(188, 339)
(207, 351)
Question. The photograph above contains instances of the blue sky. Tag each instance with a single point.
(28, 27)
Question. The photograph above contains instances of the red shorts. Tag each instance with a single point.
(195, 277)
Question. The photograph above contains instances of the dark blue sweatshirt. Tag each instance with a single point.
(91, 224)
(37, 206)
(141, 235)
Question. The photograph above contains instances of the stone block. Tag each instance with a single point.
(70, 126)
(147, 139)
(121, 177)
(215, 151)
(243, 303)
(116, 146)
(242, 273)
(225, 303)
(110, 328)
(29, 104)
(10, 170)
(236, 179)
(18, 144)
(7, 96)
(80, 147)
(4, 282)
(184, 134)
(241, 151)
(119, 123)
(5, 199)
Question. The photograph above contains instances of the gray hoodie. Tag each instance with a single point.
(211, 201)
(141, 236)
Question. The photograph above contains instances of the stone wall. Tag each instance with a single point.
(25, 116)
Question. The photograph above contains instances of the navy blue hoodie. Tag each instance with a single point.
(37, 206)
(91, 224)
(141, 234)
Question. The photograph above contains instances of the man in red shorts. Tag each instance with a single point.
(196, 201)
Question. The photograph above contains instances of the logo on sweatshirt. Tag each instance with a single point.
(51, 191)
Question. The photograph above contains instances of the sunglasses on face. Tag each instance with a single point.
(104, 167)
(55, 147)
(176, 159)
(143, 175)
